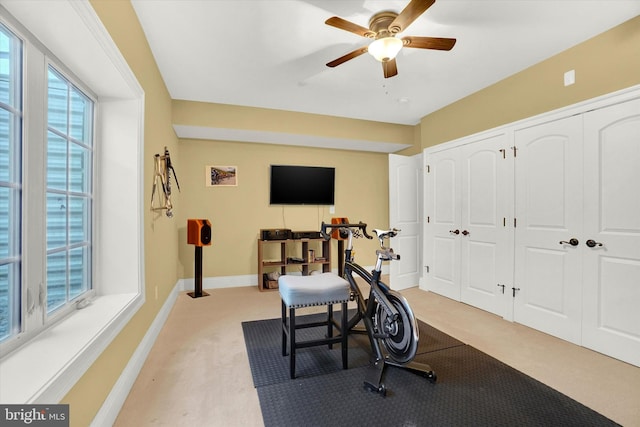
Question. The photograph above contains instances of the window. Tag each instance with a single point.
(31, 298)
(69, 159)
(10, 181)
(104, 210)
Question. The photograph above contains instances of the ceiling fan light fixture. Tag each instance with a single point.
(385, 49)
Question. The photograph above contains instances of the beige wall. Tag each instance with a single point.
(237, 213)
(603, 64)
(261, 119)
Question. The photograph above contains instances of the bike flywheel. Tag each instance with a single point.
(401, 336)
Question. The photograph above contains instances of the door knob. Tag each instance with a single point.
(465, 233)
(592, 243)
(454, 231)
(572, 242)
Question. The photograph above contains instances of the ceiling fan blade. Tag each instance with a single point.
(438, 43)
(343, 24)
(390, 68)
(409, 14)
(347, 57)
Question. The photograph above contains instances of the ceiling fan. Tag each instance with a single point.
(383, 27)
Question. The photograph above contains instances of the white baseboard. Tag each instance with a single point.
(112, 405)
(219, 282)
(188, 284)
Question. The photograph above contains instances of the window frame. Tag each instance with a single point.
(67, 307)
(15, 112)
(34, 315)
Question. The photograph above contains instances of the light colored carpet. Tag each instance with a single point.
(198, 374)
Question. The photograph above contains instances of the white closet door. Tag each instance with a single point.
(611, 313)
(442, 244)
(484, 248)
(405, 213)
(548, 274)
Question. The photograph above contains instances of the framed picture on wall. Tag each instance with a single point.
(221, 176)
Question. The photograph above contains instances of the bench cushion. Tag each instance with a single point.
(317, 289)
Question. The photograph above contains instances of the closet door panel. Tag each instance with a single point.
(405, 212)
(482, 225)
(611, 313)
(545, 286)
(548, 195)
(442, 245)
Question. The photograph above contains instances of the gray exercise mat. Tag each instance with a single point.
(473, 389)
(268, 366)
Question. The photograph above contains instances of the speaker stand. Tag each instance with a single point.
(197, 293)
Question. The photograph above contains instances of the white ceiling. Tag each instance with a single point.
(272, 54)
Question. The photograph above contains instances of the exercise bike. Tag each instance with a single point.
(385, 314)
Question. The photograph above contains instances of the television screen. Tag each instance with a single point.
(301, 185)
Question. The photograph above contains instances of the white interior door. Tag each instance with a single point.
(485, 250)
(405, 213)
(442, 242)
(548, 274)
(611, 311)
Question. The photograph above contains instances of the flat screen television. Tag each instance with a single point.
(301, 185)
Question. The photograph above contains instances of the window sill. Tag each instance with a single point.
(71, 346)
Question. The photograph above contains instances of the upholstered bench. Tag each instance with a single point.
(307, 291)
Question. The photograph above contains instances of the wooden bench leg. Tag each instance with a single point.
(284, 329)
(289, 334)
(345, 336)
(292, 343)
(330, 323)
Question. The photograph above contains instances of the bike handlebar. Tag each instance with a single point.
(361, 226)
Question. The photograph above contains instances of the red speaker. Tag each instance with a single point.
(199, 232)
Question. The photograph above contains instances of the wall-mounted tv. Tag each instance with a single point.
(301, 185)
